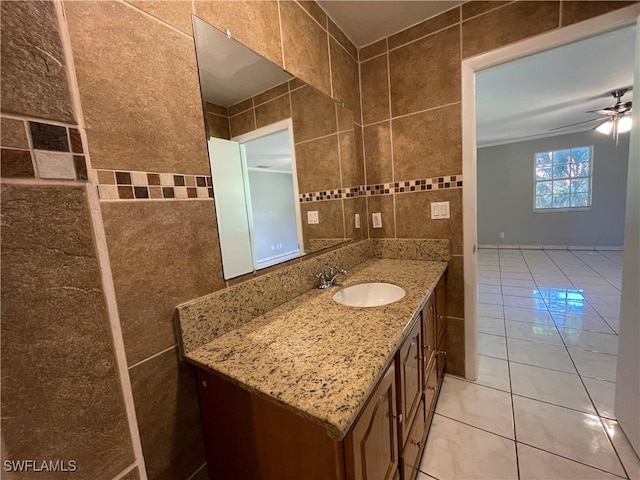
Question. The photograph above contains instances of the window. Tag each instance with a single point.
(563, 179)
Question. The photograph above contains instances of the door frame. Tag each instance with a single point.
(286, 124)
(555, 38)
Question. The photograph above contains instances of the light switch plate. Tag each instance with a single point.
(439, 210)
(376, 218)
(312, 217)
(357, 220)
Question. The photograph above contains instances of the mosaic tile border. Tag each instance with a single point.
(446, 182)
(337, 193)
(422, 184)
(140, 185)
(42, 150)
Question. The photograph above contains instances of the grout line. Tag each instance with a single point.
(487, 11)
(567, 458)
(344, 213)
(198, 470)
(284, 67)
(393, 175)
(455, 24)
(459, 102)
(506, 345)
(30, 118)
(152, 356)
(475, 426)
(126, 471)
(330, 63)
(156, 19)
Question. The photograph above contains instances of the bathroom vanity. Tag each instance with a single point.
(318, 390)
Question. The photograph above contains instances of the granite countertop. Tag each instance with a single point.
(316, 357)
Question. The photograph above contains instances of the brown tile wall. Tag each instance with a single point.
(61, 392)
(62, 396)
(411, 117)
(138, 84)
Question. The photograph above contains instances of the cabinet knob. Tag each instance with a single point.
(432, 388)
(398, 417)
(443, 353)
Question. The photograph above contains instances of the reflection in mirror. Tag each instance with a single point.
(286, 177)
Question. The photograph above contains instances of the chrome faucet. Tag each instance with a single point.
(327, 277)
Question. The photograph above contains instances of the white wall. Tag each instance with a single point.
(274, 214)
(505, 194)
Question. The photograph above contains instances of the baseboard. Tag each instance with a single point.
(589, 248)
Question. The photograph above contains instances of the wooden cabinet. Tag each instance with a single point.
(410, 457)
(248, 436)
(371, 445)
(409, 379)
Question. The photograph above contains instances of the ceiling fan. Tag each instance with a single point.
(615, 119)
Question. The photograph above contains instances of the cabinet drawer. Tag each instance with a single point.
(410, 458)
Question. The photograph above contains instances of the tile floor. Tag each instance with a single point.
(542, 407)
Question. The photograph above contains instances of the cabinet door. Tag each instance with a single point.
(372, 443)
(411, 452)
(441, 302)
(409, 380)
(428, 336)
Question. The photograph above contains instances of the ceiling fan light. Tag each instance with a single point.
(605, 127)
(624, 124)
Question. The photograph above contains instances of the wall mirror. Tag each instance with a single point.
(286, 176)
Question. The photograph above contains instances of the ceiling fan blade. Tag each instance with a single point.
(578, 123)
(604, 111)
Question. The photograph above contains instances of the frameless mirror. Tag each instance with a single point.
(286, 176)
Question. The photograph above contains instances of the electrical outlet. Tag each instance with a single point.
(376, 218)
(501, 234)
(439, 210)
(312, 217)
(357, 220)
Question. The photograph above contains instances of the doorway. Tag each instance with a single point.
(469, 68)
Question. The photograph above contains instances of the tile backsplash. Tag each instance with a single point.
(137, 185)
(33, 149)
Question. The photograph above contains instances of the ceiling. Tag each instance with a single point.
(528, 97)
(229, 71)
(365, 21)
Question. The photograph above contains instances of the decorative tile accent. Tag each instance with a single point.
(49, 137)
(80, 165)
(334, 194)
(55, 151)
(16, 163)
(75, 140)
(138, 185)
(424, 184)
(55, 165)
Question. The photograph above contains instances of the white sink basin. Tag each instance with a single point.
(372, 294)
